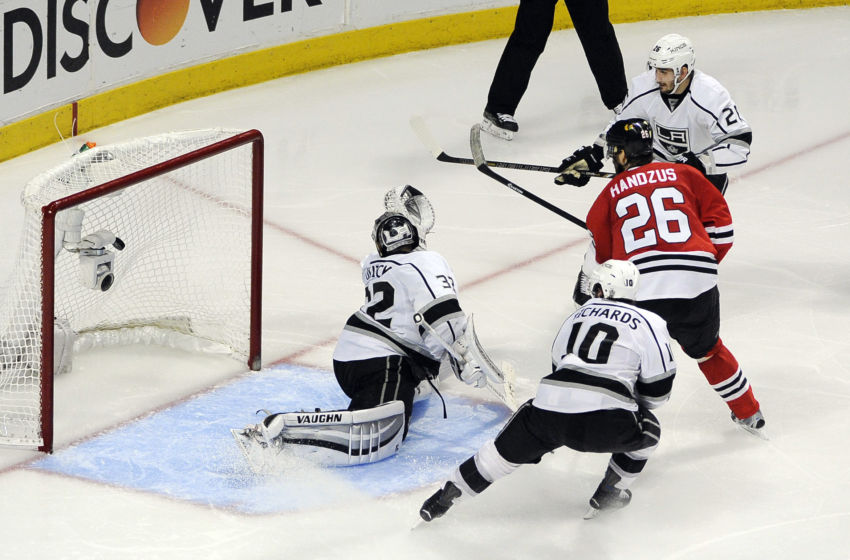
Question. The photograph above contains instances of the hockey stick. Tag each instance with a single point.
(506, 395)
(483, 167)
(417, 123)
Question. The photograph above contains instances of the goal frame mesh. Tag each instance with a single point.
(50, 211)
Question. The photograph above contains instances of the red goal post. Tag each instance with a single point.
(187, 205)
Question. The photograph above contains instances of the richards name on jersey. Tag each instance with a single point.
(624, 317)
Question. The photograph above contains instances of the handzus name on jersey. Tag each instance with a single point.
(663, 175)
(613, 314)
(334, 418)
(375, 271)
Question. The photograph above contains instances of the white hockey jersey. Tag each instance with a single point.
(608, 354)
(398, 287)
(705, 121)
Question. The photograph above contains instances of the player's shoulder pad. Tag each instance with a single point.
(643, 83)
(645, 77)
(367, 260)
(707, 91)
(424, 261)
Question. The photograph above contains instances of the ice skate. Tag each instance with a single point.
(438, 504)
(607, 498)
(501, 125)
(754, 424)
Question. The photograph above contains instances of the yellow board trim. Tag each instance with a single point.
(303, 56)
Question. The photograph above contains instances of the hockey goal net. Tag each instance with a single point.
(155, 240)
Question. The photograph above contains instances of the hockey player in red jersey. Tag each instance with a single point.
(675, 226)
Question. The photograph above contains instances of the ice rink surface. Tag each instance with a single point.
(336, 140)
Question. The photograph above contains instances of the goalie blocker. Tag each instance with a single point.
(334, 438)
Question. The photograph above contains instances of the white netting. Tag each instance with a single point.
(185, 267)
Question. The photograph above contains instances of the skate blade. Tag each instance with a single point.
(761, 434)
(591, 513)
(491, 128)
(418, 524)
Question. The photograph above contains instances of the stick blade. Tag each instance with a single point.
(500, 379)
(591, 513)
(475, 146)
(417, 123)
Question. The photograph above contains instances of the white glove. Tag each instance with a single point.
(63, 346)
(470, 372)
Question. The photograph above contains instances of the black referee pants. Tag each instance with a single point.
(531, 31)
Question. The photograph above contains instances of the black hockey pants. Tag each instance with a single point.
(532, 432)
(376, 381)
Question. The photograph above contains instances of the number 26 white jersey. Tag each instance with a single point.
(705, 120)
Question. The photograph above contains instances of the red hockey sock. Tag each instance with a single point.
(724, 375)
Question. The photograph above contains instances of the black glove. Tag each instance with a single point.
(581, 293)
(586, 158)
(690, 158)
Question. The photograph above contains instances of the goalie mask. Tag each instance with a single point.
(616, 279)
(395, 233)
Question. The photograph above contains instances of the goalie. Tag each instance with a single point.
(410, 322)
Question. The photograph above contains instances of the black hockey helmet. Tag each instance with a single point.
(633, 136)
(394, 233)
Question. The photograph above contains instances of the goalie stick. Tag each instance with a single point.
(499, 380)
(419, 127)
(483, 167)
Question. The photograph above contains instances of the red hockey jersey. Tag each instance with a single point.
(669, 221)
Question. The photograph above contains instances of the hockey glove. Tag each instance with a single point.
(690, 158)
(469, 371)
(586, 158)
(581, 293)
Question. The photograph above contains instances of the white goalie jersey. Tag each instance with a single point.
(608, 354)
(398, 287)
(705, 121)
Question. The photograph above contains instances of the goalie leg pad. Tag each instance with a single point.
(331, 438)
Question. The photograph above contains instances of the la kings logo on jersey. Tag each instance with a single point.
(674, 140)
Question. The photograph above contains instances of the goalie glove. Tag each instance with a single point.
(586, 158)
(468, 370)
